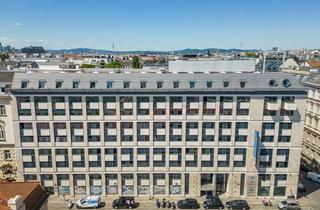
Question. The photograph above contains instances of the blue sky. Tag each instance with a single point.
(161, 24)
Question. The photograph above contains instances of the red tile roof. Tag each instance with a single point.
(314, 64)
(32, 193)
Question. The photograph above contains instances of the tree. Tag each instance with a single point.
(9, 172)
(85, 65)
(136, 62)
(114, 64)
(4, 56)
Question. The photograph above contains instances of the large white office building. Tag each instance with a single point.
(236, 134)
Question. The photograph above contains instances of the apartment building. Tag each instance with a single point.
(7, 143)
(145, 134)
(311, 141)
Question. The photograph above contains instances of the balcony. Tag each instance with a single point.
(244, 105)
(286, 132)
(193, 131)
(290, 106)
(111, 105)
(144, 105)
(227, 105)
(243, 132)
(226, 132)
(77, 105)
(206, 157)
(25, 105)
(273, 106)
(94, 105)
(161, 105)
(59, 105)
(109, 157)
(194, 105)
(209, 131)
(189, 157)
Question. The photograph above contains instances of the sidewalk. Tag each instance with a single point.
(149, 204)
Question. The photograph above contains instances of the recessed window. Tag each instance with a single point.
(2, 89)
(176, 84)
(159, 84)
(109, 84)
(59, 84)
(143, 84)
(192, 84)
(7, 155)
(126, 84)
(75, 84)
(226, 84)
(41, 83)
(242, 84)
(24, 84)
(93, 84)
(209, 84)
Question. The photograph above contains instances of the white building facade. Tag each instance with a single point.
(237, 135)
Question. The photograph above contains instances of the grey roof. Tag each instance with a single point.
(254, 81)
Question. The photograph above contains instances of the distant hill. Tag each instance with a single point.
(183, 51)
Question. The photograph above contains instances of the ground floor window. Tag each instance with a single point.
(175, 184)
(280, 184)
(264, 185)
(112, 184)
(127, 184)
(159, 182)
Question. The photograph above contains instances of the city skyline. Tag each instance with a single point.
(162, 25)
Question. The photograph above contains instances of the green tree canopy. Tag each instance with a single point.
(4, 56)
(114, 64)
(136, 62)
(85, 65)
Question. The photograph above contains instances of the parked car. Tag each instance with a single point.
(301, 188)
(213, 202)
(237, 204)
(124, 203)
(313, 177)
(88, 202)
(305, 167)
(289, 204)
(188, 203)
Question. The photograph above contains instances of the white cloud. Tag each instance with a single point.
(18, 24)
(7, 40)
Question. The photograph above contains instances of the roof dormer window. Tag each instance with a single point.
(59, 83)
(24, 83)
(209, 84)
(41, 83)
(143, 84)
(242, 84)
(93, 84)
(192, 84)
(126, 84)
(159, 84)
(175, 84)
(75, 84)
(109, 84)
(226, 84)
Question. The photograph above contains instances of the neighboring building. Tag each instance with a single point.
(7, 143)
(23, 196)
(33, 49)
(236, 134)
(247, 65)
(290, 63)
(311, 142)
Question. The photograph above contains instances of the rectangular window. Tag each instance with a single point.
(59, 84)
(143, 84)
(2, 110)
(126, 84)
(159, 85)
(268, 132)
(192, 84)
(93, 84)
(223, 157)
(75, 84)
(24, 83)
(209, 84)
(7, 155)
(176, 84)
(226, 84)
(109, 84)
(242, 84)
(240, 156)
(41, 83)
